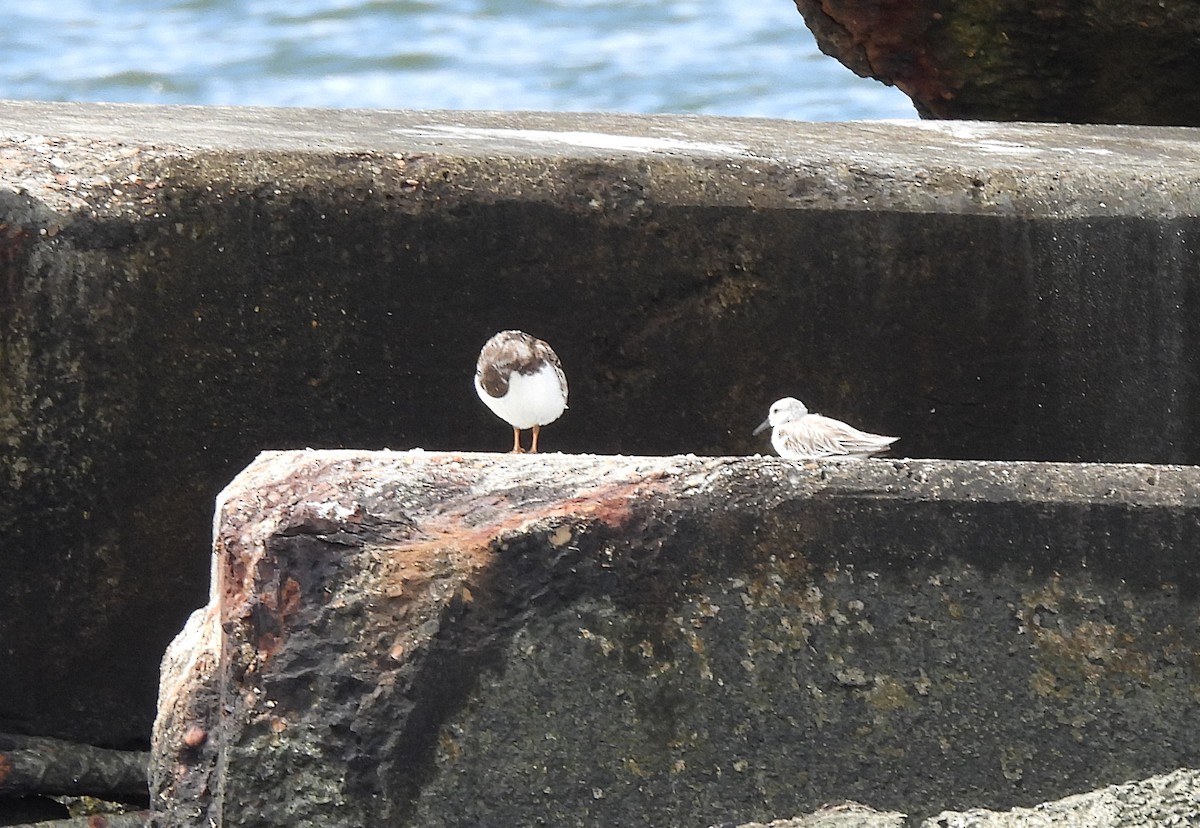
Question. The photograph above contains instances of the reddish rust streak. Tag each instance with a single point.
(469, 546)
(289, 598)
(6, 767)
(267, 645)
(610, 504)
(233, 597)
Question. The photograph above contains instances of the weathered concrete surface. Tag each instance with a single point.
(1088, 61)
(443, 640)
(1169, 800)
(184, 287)
(846, 815)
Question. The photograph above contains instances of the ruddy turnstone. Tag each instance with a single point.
(799, 435)
(520, 378)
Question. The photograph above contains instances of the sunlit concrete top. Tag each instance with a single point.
(959, 166)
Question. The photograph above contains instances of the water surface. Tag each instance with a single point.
(729, 57)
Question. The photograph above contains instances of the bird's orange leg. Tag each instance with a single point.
(536, 430)
(517, 441)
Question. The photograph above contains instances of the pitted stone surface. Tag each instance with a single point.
(448, 639)
(1168, 801)
(845, 815)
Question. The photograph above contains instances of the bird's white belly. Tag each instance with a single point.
(534, 399)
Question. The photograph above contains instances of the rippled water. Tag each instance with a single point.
(731, 57)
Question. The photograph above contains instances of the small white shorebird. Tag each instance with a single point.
(520, 378)
(799, 435)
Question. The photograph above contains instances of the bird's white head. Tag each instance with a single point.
(782, 411)
(786, 410)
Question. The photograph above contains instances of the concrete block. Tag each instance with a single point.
(186, 286)
(454, 639)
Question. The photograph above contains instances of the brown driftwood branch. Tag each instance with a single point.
(37, 765)
(133, 819)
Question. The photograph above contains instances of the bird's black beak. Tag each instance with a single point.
(763, 426)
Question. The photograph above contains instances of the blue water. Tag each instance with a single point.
(728, 57)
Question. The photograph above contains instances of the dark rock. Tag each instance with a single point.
(1091, 62)
(447, 639)
(184, 287)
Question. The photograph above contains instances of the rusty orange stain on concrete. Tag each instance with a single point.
(283, 600)
(289, 598)
(611, 505)
(453, 538)
(452, 545)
